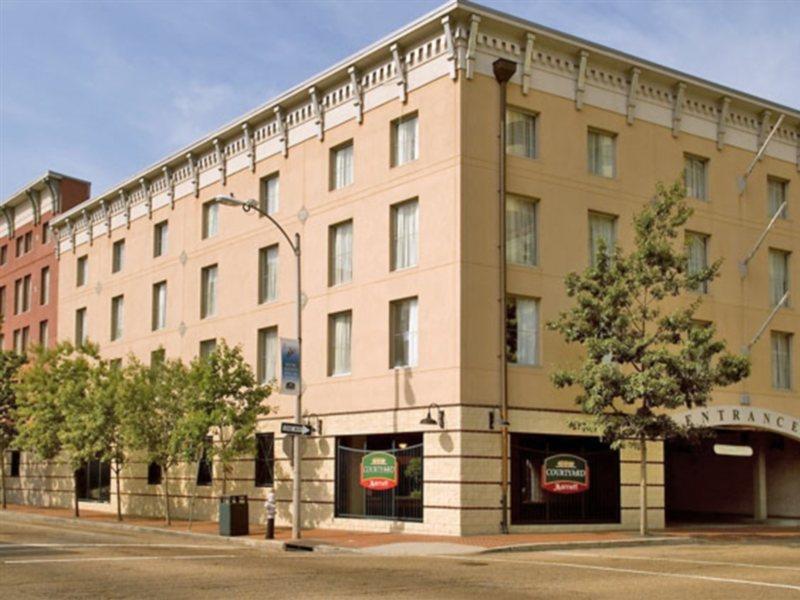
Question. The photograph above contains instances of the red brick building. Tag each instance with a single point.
(28, 266)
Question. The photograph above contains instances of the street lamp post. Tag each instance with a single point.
(298, 404)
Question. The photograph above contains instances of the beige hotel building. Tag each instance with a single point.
(388, 166)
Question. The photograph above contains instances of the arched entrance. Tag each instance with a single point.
(748, 472)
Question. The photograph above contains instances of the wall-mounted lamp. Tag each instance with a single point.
(494, 417)
(317, 420)
(429, 420)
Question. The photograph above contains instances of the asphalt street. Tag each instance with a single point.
(52, 561)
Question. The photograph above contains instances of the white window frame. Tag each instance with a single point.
(117, 317)
(340, 348)
(209, 277)
(404, 257)
(340, 253)
(399, 155)
(596, 153)
(532, 333)
(268, 264)
(342, 165)
(267, 366)
(698, 166)
(782, 376)
(526, 144)
(404, 343)
(522, 246)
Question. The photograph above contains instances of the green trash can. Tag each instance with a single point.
(233, 516)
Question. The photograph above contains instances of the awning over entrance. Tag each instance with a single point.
(741, 416)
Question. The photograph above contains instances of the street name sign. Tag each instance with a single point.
(296, 429)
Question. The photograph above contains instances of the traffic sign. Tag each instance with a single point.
(296, 429)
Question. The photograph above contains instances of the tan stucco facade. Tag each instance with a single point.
(455, 180)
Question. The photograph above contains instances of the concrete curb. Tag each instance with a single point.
(592, 544)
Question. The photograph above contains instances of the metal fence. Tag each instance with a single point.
(401, 503)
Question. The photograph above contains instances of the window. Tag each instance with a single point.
(44, 333)
(602, 234)
(21, 339)
(159, 309)
(781, 360)
(602, 161)
(80, 326)
(521, 231)
(82, 271)
(157, 357)
(265, 459)
(405, 139)
(117, 308)
(28, 241)
(404, 350)
(342, 165)
(160, 238)
(520, 133)
(117, 256)
(45, 232)
(2, 303)
(210, 219)
(697, 255)
(208, 295)
(522, 330)
(207, 347)
(44, 286)
(778, 275)
(405, 226)
(205, 469)
(270, 187)
(115, 363)
(24, 244)
(266, 367)
(339, 342)
(153, 474)
(694, 176)
(15, 456)
(3, 255)
(268, 274)
(22, 295)
(340, 244)
(776, 192)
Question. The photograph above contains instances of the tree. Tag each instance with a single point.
(94, 421)
(226, 400)
(10, 363)
(53, 382)
(157, 422)
(645, 353)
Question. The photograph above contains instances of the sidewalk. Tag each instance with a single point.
(405, 543)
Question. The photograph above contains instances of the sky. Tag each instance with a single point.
(101, 90)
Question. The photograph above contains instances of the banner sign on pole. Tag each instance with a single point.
(565, 474)
(290, 366)
(378, 471)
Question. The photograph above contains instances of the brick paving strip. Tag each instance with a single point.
(332, 540)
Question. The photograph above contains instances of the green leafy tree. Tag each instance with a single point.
(10, 363)
(53, 383)
(645, 354)
(156, 419)
(227, 401)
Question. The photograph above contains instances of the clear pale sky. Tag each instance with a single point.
(100, 90)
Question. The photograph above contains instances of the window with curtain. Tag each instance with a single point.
(117, 256)
(601, 154)
(405, 139)
(159, 309)
(697, 254)
(694, 177)
(208, 296)
(210, 219)
(520, 133)
(341, 253)
(268, 274)
(339, 342)
(521, 230)
(602, 232)
(80, 326)
(778, 275)
(270, 187)
(405, 226)
(207, 347)
(781, 360)
(267, 359)
(776, 196)
(522, 330)
(342, 166)
(404, 333)
(117, 316)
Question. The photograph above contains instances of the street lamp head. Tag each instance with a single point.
(228, 201)
(429, 420)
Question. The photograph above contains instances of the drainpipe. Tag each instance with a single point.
(503, 71)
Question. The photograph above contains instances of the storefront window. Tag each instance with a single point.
(380, 477)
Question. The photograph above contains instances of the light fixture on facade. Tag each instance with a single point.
(731, 450)
(317, 420)
(496, 417)
(429, 420)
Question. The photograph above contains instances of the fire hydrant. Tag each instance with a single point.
(269, 505)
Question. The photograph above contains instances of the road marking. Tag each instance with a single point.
(677, 560)
(630, 571)
(100, 545)
(114, 558)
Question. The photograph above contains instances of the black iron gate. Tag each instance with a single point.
(401, 503)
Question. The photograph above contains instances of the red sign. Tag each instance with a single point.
(565, 474)
(378, 471)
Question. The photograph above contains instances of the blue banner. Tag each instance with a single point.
(290, 366)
